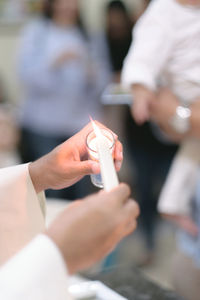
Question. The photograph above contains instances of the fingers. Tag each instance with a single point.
(188, 225)
(141, 112)
(118, 155)
(120, 194)
(81, 136)
(86, 167)
(127, 221)
(104, 127)
(89, 128)
(183, 222)
(131, 212)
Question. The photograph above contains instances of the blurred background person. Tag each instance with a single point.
(151, 155)
(116, 38)
(177, 69)
(9, 134)
(59, 79)
(118, 35)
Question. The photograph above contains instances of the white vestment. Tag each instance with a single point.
(33, 267)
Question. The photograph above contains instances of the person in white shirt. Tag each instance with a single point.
(186, 262)
(165, 54)
(36, 262)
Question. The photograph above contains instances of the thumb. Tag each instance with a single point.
(119, 194)
(88, 167)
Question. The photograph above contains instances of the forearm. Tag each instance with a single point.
(39, 174)
(139, 89)
(195, 122)
(194, 130)
(164, 110)
(142, 100)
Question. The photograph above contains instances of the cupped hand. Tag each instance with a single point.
(68, 163)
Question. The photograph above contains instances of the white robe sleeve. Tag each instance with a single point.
(38, 272)
(21, 216)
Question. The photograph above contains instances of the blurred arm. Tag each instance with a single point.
(195, 119)
(150, 49)
(165, 107)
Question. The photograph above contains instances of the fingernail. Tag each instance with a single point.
(95, 168)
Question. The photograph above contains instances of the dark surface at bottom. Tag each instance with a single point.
(132, 284)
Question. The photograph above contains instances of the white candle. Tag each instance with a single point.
(93, 152)
(108, 172)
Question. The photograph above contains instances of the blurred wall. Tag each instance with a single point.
(9, 37)
(93, 11)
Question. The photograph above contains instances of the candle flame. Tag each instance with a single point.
(97, 130)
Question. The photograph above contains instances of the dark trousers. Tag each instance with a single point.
(152, 169)
(151, 159)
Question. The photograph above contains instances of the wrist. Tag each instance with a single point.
(180, 121)
(38, 174)
(140, 88)
(142, 94)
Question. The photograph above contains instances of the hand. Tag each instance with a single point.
(68, 163)
(164, 106)
(64, 58)
(162, 109)
(143, 98)
(184, 222)
(88, 230)
(195, 120)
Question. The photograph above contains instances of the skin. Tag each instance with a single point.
(143, 97)
(88, 229)
(161, 111)
(164, 107)
(144, 107)
(65, 12)
(184, 222)
(161, 107)
(68, 163)
(189, 2)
